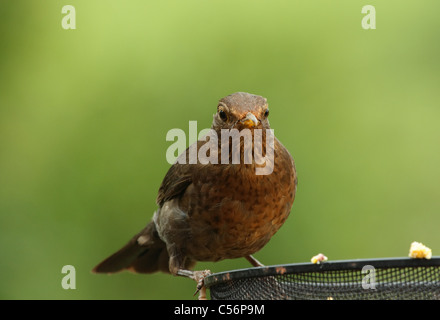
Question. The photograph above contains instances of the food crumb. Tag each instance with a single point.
(319, 258)
(419, 251)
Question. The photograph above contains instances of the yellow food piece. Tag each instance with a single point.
(319, 258)
(419, 251)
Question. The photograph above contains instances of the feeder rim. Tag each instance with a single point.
(356, 264)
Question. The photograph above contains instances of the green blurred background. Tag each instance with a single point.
(84, 114)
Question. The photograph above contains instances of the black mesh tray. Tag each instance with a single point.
(391, 279)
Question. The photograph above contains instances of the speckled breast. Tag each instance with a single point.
(234, 212)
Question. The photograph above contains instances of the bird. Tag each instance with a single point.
(215, 210)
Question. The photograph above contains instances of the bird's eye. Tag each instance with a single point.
(223, 115)
(266, 113)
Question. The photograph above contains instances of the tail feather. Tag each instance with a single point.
(151, 261)
(144, 253)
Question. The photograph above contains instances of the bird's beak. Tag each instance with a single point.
(250, 120)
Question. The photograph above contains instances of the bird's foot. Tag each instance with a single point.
(199, 277)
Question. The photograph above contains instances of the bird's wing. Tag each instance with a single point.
(177, 179)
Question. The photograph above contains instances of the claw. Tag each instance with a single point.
(202, 289)
(199, 277)
(200, 285)
(198, 288)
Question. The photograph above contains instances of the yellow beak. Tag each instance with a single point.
(250, 120)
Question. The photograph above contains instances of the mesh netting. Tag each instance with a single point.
(385, 279)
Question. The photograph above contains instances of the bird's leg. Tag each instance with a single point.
(179, 264)
(254, 261)
(197, 276)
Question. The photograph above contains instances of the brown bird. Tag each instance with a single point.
(209, 211)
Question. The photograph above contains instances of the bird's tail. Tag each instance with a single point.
(144, 253)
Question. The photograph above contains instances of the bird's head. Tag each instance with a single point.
(241, 110)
